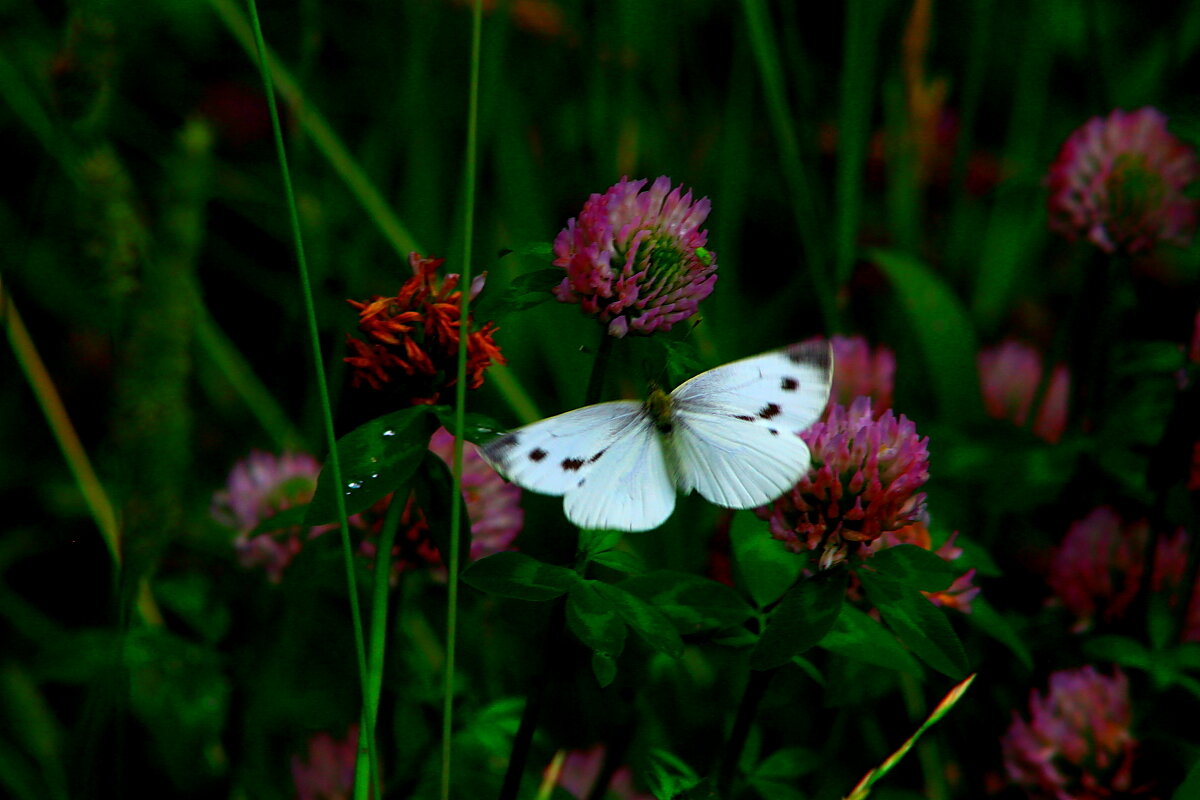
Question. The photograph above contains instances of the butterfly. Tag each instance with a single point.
(730, 434)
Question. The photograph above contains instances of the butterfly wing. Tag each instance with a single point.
(733, 433)
(606, 460)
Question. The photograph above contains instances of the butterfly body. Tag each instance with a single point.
(730, 434)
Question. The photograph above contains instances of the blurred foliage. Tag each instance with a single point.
(871, 173)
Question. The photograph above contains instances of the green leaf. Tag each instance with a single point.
(594, 542)
(648, 622)
(913, 566)
(1120, 650)
(855, 635)
(692, 603)
(669, 776)
(519, 576)
(477, 428)
(604, 667)
(943, 329)
(1190, 788)
(918, 623)
(594, 619)
(802, 618)
(529, 249)
(287, 518)
(787, 764)
(990, 622)
(376, 458)
(765, 566)
(523, 292)
(621, 561)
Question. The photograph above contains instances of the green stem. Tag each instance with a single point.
(378, 643)
(366, 742)
(752, 695)
(555, 628)
(460, 398)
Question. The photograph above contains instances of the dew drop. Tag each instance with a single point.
(389, 433)
(354, 485)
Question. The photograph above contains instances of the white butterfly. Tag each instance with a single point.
(729, 433)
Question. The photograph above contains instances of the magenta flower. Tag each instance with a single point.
(1098, 568)
(862, 371)
(259, 487)
(636, 260)
(1076, 744)
(1010, 375)
(493, 504)
(863, 482)
(1120, 180)
(328, 773)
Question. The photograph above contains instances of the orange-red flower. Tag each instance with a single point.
(412, 339)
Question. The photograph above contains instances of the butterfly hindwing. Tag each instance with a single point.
(630, 487)
(734, 433)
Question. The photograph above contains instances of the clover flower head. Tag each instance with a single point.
(328, 772)
(1098, 568)
(259, 487)
(412, 338)
(862, 371)
(636, 259)
(1119, 181)
(1076, 744)
(864, 481)
(1010, 375)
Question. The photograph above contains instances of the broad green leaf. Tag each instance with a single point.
(764, 565)
(944, 331)
(857, 636)
(1120, 650)
(1190, 788)
(595, 542)
(668, 775)
(517, 575)
(594, 618)
(621, 560)
(648, 622)
(803, 617)
(604, 667)
(477, 428)
(287, 518)
(692, 603)
(913, 566)
(918, 623)
(376, 458)
(523, 292)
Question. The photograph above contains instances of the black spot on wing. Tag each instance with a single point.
(789, 384)
(572, 464)
(770, 411)
(744, 417)
(537, 454)
(596, 457)
(774, 431)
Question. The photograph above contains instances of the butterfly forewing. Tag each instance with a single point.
(734, 433)
(551, 455)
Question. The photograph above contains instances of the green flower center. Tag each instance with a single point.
(1134, 191)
